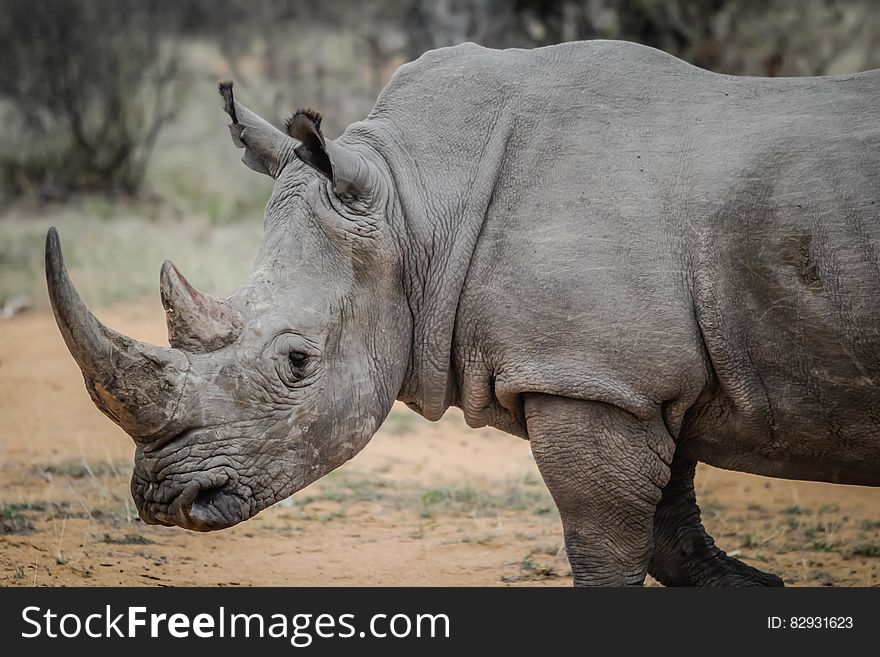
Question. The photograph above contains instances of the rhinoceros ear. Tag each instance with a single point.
(349, 174)
(267, 149)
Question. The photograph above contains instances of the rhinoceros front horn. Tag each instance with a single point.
(196, 322)
(137, 385)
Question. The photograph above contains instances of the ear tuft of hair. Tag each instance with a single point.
(225, 89)
(304, 122)
(305, 126)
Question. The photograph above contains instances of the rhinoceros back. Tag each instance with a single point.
(661, 236)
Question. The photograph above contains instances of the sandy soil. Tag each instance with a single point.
(424, 504)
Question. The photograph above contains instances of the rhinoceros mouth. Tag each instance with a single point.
(216, 508)
(202, 507)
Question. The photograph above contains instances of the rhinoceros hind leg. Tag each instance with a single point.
(684, 554)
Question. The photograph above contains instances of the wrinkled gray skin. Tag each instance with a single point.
(633, 263)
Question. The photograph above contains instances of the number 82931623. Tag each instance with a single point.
(810, 623)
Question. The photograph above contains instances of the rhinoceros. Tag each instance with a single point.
(633, 263)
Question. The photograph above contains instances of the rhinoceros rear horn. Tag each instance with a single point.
(267, 149)
(137, 385)
(196, 322)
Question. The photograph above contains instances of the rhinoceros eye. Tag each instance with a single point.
(298, 359)
(295, 359)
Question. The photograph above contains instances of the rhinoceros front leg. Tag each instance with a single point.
(684, 554)
(606, 470)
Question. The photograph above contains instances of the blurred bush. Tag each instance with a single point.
(86, 87)
(740, 37)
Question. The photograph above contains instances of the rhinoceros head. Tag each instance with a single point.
(261, 393)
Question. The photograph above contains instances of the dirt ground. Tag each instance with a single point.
(424, 504)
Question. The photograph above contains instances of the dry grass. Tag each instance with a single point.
(118, 258)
